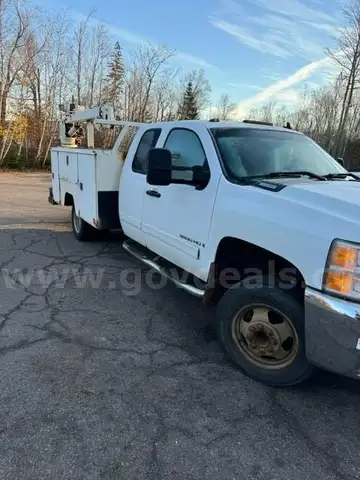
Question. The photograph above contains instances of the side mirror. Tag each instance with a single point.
(201, 177)
(341, 161)
(159, 167)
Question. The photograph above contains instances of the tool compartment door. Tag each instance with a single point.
(68, 168)
(55, 177)
(86, 201)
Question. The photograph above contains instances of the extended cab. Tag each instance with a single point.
(256, 219)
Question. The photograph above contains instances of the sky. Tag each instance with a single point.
(256, 50)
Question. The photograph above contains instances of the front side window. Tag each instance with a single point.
(187, 151)
(147, 142)
(247, 152)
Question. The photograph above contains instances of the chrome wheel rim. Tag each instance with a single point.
(76, 222)
(265, 336)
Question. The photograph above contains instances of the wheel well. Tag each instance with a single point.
(237, 259)
(68, 200)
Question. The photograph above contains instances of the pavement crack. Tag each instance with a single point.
(161, 436)
(156, 474)
(7, 262)
(7, 315)
(330, 462)
(22, 345)
(76, 340)
(56, 238)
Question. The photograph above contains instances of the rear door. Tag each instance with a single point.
(133, 183)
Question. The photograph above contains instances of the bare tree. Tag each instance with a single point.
(150, 61)
(14, 28)
(225, 107)
(133, 93)
(165, 95)
(53, 63)
(43, 63)
(81, 42)
(282, 115)
(97, 58)
(201, 88)
(348, 58)
(264, 113)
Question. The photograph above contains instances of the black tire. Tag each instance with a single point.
(263, 293)
(82, 230)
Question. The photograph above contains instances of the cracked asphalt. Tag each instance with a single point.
(107, 373)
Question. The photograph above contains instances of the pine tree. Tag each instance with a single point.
(189, 109)
(115, 77)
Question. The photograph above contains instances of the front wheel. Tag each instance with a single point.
(81, 230)
(261, 328)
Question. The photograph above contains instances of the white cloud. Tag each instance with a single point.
(282, 28)
(197, 61)
(267, 44)
(282, 87)
(243, 86)
(182, 56)
(331, 30)
(125, 34)
(271, 75)
(293, 38)
(295, 9)
(138, 39)
(288, 98)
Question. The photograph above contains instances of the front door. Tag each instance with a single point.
(177, 218)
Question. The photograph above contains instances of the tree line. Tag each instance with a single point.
(48, 59)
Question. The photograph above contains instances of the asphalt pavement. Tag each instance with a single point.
(108, 372)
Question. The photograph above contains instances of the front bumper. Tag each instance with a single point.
(332, 333)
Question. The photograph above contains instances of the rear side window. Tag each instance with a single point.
(147, 142)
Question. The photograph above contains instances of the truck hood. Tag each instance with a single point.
(337, 198)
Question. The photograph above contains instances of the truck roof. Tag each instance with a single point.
(222, 124)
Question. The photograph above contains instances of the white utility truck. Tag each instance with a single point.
(255, 219)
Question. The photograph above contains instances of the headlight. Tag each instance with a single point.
(342, 272)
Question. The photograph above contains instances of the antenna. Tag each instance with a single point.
(72, 104)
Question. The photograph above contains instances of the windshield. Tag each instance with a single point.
(248, 152)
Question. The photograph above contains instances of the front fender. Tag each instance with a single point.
(294, 231)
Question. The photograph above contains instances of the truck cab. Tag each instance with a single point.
(172, 220)
(258, 221)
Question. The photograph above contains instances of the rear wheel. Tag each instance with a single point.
(81, 230)
(261, 328)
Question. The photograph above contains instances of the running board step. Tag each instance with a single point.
(179, 277)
